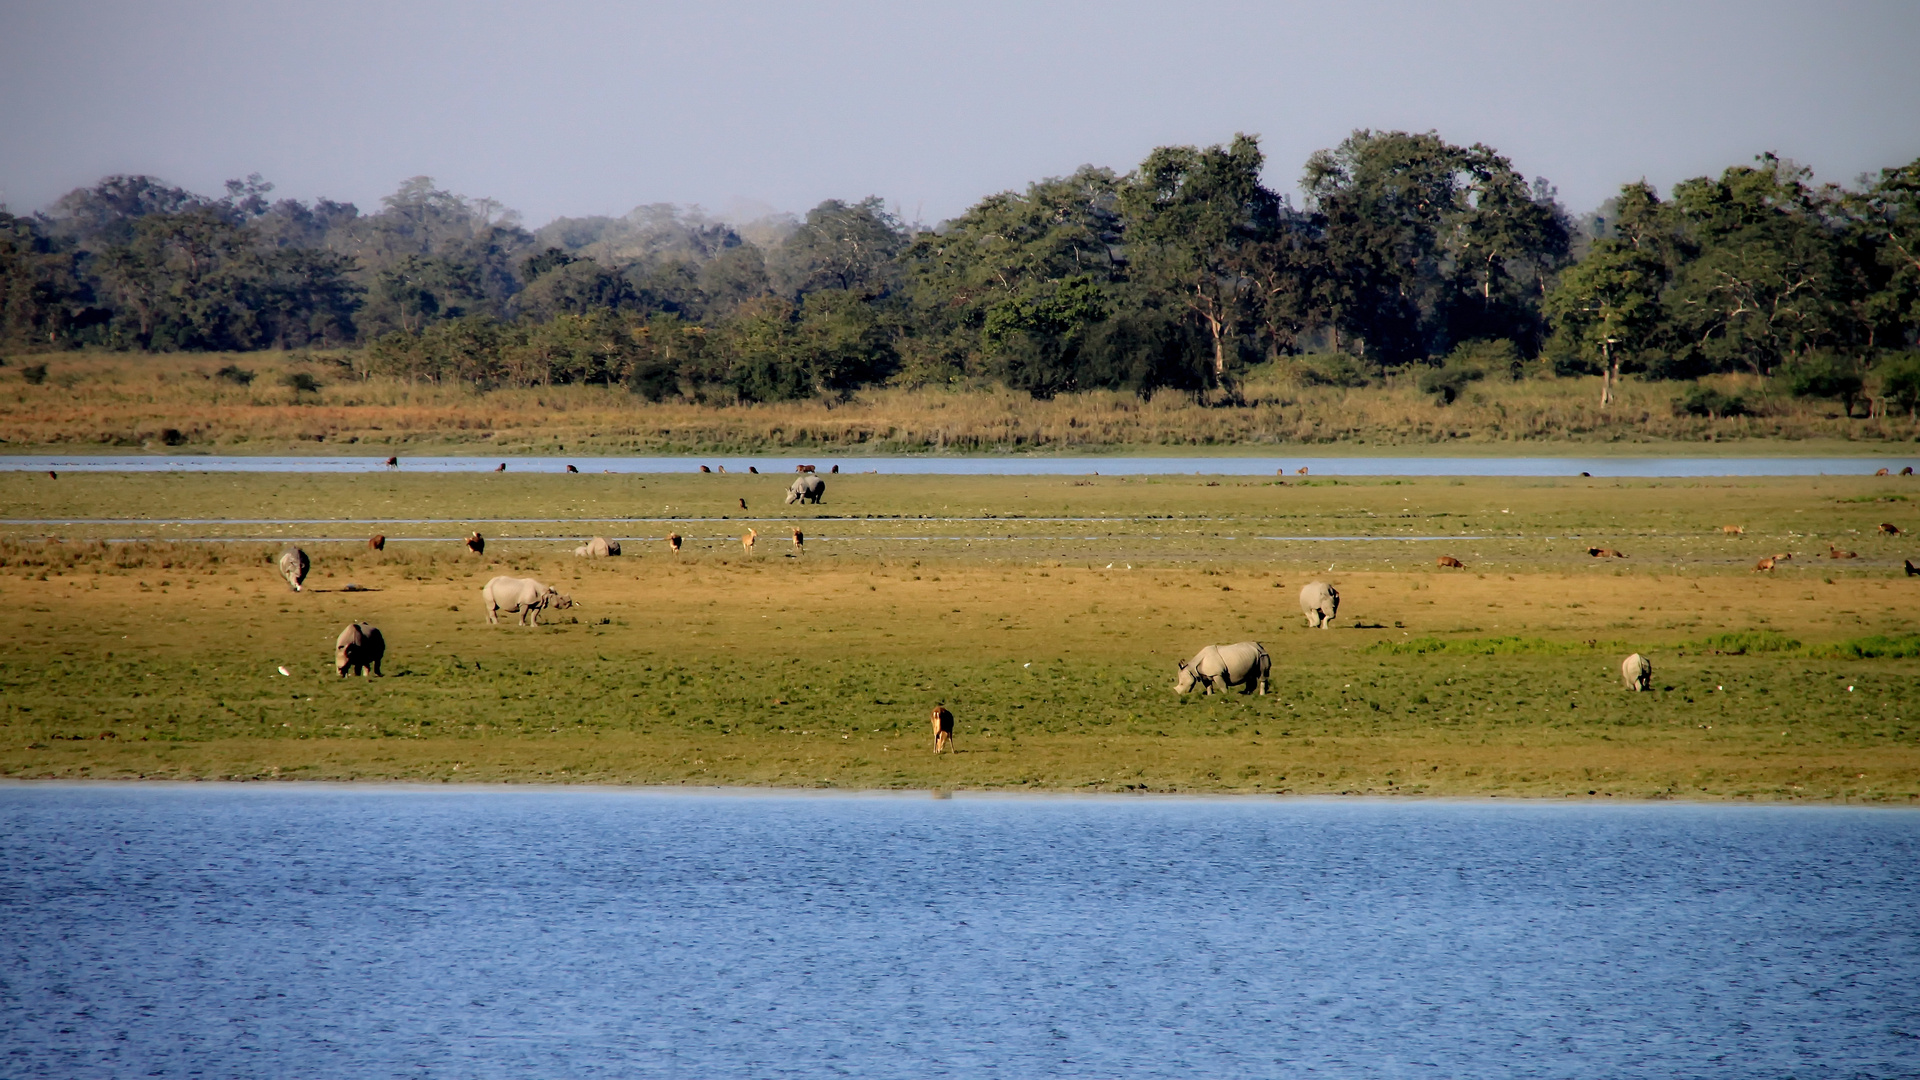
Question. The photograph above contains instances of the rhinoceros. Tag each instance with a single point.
(1319, 602)
(293, 567)
(809, 488)
(1245, 665)
(599, 548)
(359, 647)
(1637, 671)
(524, 595)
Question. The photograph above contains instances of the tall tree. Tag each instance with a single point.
(1192, 215)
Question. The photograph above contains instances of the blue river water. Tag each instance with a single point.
(308, 930)
(1005, 465)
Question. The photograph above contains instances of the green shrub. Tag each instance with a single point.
(1493, 646)
(1333, 369)
(1710, 403)
(1826, 375)
(235, 374)
(300, 382)
(1897, 377)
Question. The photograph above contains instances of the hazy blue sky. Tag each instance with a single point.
(594, 106)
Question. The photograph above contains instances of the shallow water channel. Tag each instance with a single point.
(1001, 465)
(268, 930)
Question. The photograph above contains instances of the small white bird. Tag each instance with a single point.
(1109, 566)
(1027, 664)
(284, 671)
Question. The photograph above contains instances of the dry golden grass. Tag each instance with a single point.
(126, 400)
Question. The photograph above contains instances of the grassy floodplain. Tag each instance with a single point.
(1047, 612)
(117, 400)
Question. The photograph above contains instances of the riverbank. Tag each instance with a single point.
(261, 403)
(1047, 613)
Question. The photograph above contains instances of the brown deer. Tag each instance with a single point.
(393, 463)
(1448, 560)
(1884, 472)
(799, 542)
(1605, 553)
(502, 467)
(942, 729)
(804, 468)
(1836, 553)
(572, 469)
(1764, 564)
(1889, 528)
(477, 543)
(746, 542)
(377, 542)
(704, 469)
(673, 543)
(1733, 530)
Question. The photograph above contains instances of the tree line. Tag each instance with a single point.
(1408, 253)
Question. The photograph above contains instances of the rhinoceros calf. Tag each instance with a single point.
(523, 595)
(1245, 665)
(360, 648)
(1637, 672)
(598, 548)
(808, 488)
(1319, 603)
(293, 566)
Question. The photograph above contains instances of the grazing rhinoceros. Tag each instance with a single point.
(1637, 671)
(360, 648)
(524, 595)
(293, 567)
(809, 488)
(1319, 602)
(1245, 665)
(598, 548)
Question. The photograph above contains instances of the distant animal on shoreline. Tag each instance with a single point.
(746, 542)
(523, 595)
(1605, 553)
(1912, 570)
(1783, 557)
(1836, 553)
(377, 542)
(1319, 603)
(721, 468)
(942, 729)
(1883, 472)
(51, 475)
(1733, 530)
(1765, 564)
(799, 542)
(808, 488)
(754, 470)
(803, 468)
(393, 463)
(598, 548)
(1448, 560)
(359, 647)
(293, 566)
(1889, 528)
(836, 468)
(502, 467)
(1244, 664)
(673, 543)
(743, 504)
(476, 543)
(1302, 470)
(572, 469)
(1908, 471)
(1637, 670)
(704, 469)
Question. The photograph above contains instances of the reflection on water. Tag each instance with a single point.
(338, 931)
(1422, 465)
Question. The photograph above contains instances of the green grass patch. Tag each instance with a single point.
(1488, 646)
(1875, 647)
(1748, 642)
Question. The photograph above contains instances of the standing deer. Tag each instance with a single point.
(942, 729)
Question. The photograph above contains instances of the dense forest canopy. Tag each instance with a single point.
(1409, 254)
